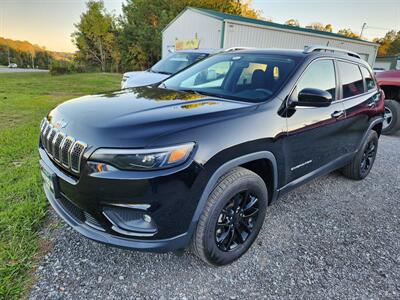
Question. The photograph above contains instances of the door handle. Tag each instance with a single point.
(371, 104)
(338, 114)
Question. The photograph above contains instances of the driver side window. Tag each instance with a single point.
(319, 75)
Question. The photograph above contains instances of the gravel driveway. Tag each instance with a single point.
(332, 238)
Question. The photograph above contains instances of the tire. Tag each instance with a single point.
(391, 122)
(242, 187)
(362, 163)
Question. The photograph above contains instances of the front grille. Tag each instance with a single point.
(76, 154)
(71, 208)
(79, 214)
(56, 146)
(63, 149)
(91, 221)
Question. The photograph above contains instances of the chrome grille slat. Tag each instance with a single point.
(45, 133)
(59, 138)
(63, 149)
(50, 139)
(66, 147)
(76, 155)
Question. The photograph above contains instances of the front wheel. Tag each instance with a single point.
(232, 218)
(391, 121)
(362, 163)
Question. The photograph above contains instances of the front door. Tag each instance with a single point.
(314, 133)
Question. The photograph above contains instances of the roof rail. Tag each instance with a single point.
(238, 48)
(326, 48)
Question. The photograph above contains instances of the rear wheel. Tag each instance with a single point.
(232, 218)
(362, 163)
(391, 122)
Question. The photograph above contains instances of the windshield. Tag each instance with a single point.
(176, 62)
(248, 77)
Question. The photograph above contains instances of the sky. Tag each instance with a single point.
(49, 23)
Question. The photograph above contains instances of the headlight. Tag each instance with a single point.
(144, 159)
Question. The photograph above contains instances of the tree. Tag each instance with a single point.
(247, 11)
(95, 35)
(328, 28)
(142, 22)
(320, 27)
(389, 44)
(293, 22)
(349, 33)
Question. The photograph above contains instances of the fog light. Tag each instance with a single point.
(129, 221)
(147, 218)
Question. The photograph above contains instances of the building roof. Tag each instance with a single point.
(225, 16)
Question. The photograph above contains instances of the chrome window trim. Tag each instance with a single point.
(359, 67)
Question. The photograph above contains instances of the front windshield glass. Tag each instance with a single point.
(176, 62)
(248, 77)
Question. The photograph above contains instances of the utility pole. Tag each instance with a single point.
(8, 53)
(362, 29)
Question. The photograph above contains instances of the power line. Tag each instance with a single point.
(381, 28)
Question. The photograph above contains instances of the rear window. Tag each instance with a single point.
(351, 79)
(370, 82)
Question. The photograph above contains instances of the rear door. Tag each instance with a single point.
(360, 96)
(314, 133)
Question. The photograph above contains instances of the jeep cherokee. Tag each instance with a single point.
(197, 159)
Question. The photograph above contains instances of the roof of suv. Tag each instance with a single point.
(206, 51)
(302, 53)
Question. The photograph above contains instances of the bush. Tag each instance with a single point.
(59, 68)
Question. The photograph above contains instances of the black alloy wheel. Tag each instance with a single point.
(360, 166)
(232, 217)
(368, 157)
(236, 222)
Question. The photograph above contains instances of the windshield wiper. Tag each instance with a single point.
(160, 72)
(200, 93)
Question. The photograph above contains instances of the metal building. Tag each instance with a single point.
(212, 29)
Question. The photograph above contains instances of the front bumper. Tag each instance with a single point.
(81, 202)
(164, 245)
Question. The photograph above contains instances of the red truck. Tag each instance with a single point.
(389, 82)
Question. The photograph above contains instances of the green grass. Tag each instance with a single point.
(25, 98)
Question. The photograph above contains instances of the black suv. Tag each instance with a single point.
(198, 159)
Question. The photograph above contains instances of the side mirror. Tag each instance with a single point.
(313, 98)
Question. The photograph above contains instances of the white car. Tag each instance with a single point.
(164, 68)
(13, 66)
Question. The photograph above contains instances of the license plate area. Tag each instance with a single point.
(49, 179)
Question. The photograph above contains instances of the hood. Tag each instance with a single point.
(133, 117)
(142, 78)
(389, 77)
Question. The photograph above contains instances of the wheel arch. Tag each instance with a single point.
(378, 128)
(392, 92)
(375, 125)
(253, 162)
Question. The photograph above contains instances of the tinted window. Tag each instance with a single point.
(350, 76)
(213, 76)
(248, 77)
(176, 62)
(319, 75)
(368, 79)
